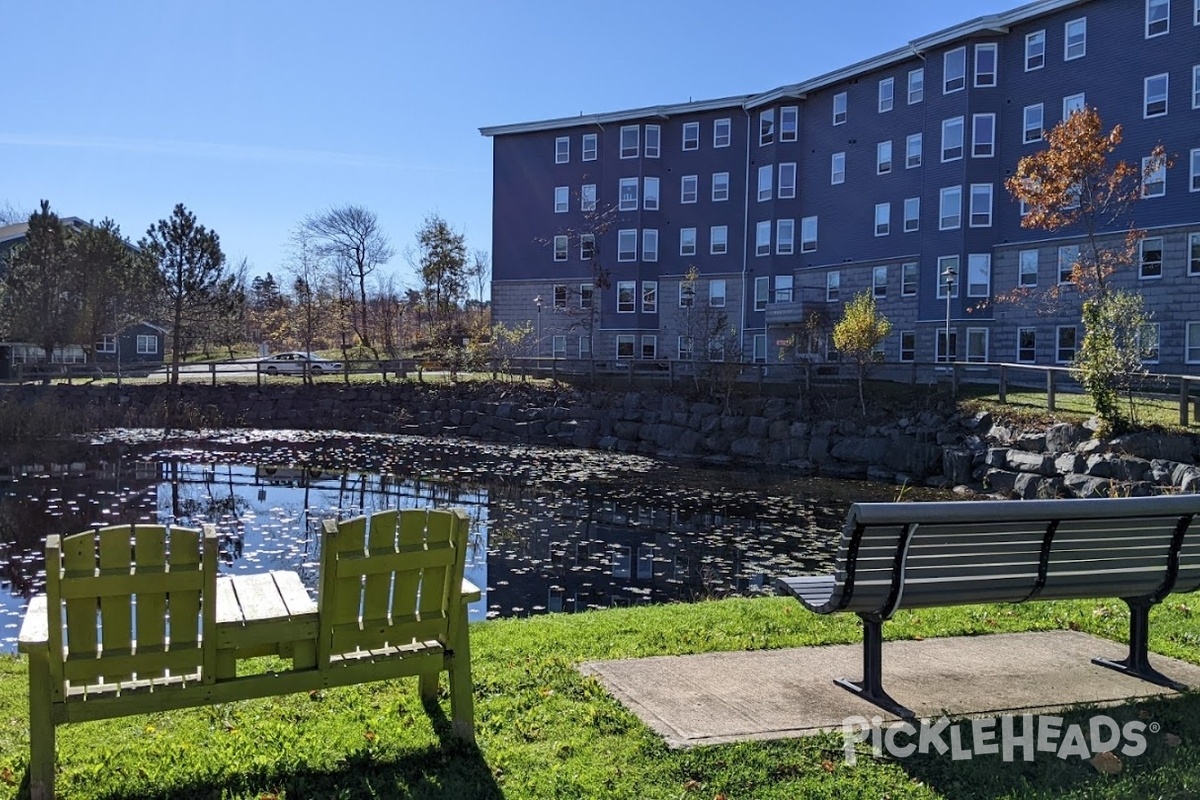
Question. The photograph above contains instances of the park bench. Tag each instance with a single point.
(922, 555)
(135, 619)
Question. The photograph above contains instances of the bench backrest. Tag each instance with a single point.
(913, 555)
(391, 579)
(130, 604)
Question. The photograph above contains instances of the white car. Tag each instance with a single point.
(297, 364)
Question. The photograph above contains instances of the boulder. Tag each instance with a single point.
(1039, 463)
(1063, 437)
(956, 464)
(860, 450)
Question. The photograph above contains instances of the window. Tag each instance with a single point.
(912, 214)
(887, 92)
(717, 240)
(628, 194)
(630, 141)
(585, 296)
(1035, 50)
(107, 344)
(1066, 344)
(1154, 97)
(883, 157)
(587, 246)
(685, 348)
(783, 289)
(561, 200)
(1073, 103)
(722, 132)
(981, 205)
(560, 295)
(1075, 43)
(985, 65)
(762, 238)
(1196, 13)
(688, 188)
(808, 234)
(879, 281)
(760, 348)
(908, 345)
(950, 210)
(837, 168)
(948, 263)
(1154, 184)
(1068, 257)
(627, 245)
(653, 140)
(649, 297)
(1027, 268)
(589, 147)
(558, 346)
(912, 151)
(1150, 257)
(1033, 123)
(560, 248)
(883, 219)
(716, 293)
(1196, 84)
(785, 237)
(587, 197)
(1158, 17)
(908, 279)
(789, 123)
(1027, 345)
(687, 293)
(650, 245)
(979, 275)
(839, 108)
(650, 192)
(954, 70)
(1147, 341)
(562, 150)
(833, 286)
(1193, 343)
(941, 349)
(983, 135)
(720, 186)
(147, 344)
(1195, 170)
(766, 127)
(765, 189)
(716, 349)
(1194, 254)
(787, 180)
(687, 241)
(624, 351)
(916, 86)
(691, 136)
(762, 288)
(626, 297)
(952, 139)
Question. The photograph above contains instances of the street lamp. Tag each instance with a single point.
(687, 297)
(948, 276)
(537, 301)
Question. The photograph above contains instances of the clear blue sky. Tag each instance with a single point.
(256, 113)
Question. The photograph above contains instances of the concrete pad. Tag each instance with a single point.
(715, 698)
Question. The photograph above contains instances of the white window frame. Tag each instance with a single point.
(833, 286)
(974, 337)
(954, 81)
(887, 94)
(650, 195)
(912, 214)
(942, 263)
(948, 148)
(1035, 50)
(627, 297)
(590, 146)
(841, 108)
(562, 150)
(1058, 344)
(1158, 178)
(766, 182)
(587, 246)
(720, 187)
(687, 241)
(1194, 170)
(783, 289)
(562, 199)
(691, 136)
(1155, 105)
(910, 275)
(983, 147)
(913, 144)
(558, 346)
(1196, 84)
(649, 297)
(1073, 103)
(1157, 25)
(1031, 350)
(1150, 355)
(587, 197)
(985, 79)
(879, 281)
(722, 132)
(1027, 268)
(1037, 129)
(562, 247)
(760, 348)
(686, 194)
(883, 219)
(630, 340)
(631, 141)
(1157, 266)
(808, 234)
(980, 209)
(716, 293)
(762, 292)
(762, 238)
(653, 142)
(1196, 13)
(1081, 45)
(1068, 256)
(789, 123)
(785, 237)
(628, 194)
(624, 237)
(684, 348)
(107, 344)
(650, 244)
(1192, 343)
(147, 344)
(787, 180)
(718, 240)
(766, 127)
(1193, 254)
(837, 169)
(979, 275)
(908, 345)
(949, 222)
(883, 157)
(916, 85)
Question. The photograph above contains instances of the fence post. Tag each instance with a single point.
(954, 380)
(1183, 402)
(212, 370)
(671, 374)
(762, 371)
(1003, 390)
(1050, 373)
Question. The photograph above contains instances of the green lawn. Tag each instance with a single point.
(547, 732)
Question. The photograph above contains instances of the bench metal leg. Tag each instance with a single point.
(871, 686)
(41, 729)
(1137, 663)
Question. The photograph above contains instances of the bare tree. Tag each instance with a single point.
(304, 265)
(10, 215)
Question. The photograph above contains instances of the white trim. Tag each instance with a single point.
(1164, 98)
(1165, 27)
(1067, 39)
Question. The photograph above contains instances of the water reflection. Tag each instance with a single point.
(551, 530)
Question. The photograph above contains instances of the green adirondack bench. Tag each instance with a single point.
(136, 620)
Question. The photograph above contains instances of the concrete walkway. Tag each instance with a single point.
(773, 694)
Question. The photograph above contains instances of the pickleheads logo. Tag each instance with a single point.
(1003, 736)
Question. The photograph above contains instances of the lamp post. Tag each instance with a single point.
(537, 301)
(948, 276)
(687, 296)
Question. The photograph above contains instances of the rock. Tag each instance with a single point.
(818, 450)
(1155, 445)
(1063, 437)
(996, 457)
(1087, 486)
(998, 433)
(1039, 463)
(1031, 442)
(1026, 486)
(1000, 480)
(860, 450)
(1068, 463)
(956, 464)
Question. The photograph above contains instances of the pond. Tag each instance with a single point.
(551, 529)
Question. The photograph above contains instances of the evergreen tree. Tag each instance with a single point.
(41, 298)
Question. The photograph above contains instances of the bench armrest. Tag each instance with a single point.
(35, 628)
(470, 592)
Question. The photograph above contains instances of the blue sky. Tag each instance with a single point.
(256, 113)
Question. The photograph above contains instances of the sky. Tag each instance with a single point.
(258, 113)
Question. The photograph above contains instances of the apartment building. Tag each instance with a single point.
(742, 224)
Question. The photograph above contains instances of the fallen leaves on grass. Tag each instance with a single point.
(1107, 763)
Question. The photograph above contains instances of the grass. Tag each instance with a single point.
(545, 731)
